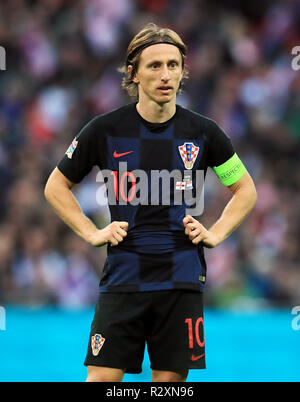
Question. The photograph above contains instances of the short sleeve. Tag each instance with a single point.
(222, 157)
(80, 157)
(220, 148)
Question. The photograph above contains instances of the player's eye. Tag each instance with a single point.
(173, 64)
(155, 66)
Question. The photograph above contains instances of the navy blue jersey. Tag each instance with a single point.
(156, 254)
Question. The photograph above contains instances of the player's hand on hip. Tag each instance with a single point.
(198, 233)
(113, 233)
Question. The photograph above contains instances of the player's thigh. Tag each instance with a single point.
(117, 336)
(169, 376)
(176, 335)
(104, 374)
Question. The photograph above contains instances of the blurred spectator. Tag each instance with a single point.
(62, 60)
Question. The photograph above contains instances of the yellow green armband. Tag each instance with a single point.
(230, 171)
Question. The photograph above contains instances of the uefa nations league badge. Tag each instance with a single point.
(71, 148)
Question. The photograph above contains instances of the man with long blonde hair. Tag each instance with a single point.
(152, 284)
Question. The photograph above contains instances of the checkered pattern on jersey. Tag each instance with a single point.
(148, 261)
(156, 254)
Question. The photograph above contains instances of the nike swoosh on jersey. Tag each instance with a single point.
(194, 358)
(116, 155)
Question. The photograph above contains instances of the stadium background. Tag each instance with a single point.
(61, 70)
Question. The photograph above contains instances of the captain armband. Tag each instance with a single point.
(230, 171)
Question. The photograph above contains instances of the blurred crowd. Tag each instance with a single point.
(62, 58)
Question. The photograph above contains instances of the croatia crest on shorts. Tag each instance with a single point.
(188, 152)
(97, 342)
(71, 149)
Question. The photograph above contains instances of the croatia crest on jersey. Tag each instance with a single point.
(188, 152)
(97, 342)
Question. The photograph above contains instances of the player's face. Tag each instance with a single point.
(159, 73)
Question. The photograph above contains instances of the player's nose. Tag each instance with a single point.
(165, 76)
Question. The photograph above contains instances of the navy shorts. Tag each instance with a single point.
(169, 322)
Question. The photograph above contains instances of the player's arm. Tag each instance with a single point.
(243, 199)
(242, 202)
(58, 193)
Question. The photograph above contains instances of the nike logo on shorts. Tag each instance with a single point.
(194, 358)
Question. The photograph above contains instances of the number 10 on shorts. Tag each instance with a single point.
(199, 322)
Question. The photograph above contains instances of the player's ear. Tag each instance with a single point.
(182, 75)
(132, 74)
(182, 71)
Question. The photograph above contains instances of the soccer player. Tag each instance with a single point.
(152, 283)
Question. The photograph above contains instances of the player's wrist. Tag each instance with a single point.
(213, 240)
(96, 238)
